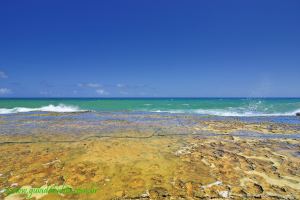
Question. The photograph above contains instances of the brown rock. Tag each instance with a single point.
(189, 189)
(137, 183)
(158, 193)
(254, 189)
(120, 193)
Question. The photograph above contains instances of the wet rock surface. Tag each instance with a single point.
(138, 160)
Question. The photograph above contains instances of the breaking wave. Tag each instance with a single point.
(61, 108)
(229, 113)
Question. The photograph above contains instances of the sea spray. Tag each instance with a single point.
(50, 108)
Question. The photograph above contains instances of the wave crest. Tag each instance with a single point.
(228, 112)
(61, 108)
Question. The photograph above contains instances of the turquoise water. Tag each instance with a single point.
(201, 106)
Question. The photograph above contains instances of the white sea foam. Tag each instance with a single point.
(50, 108)
(229, 112)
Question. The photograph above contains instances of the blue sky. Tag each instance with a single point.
(143, 48)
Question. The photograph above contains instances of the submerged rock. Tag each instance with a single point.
(298, 114)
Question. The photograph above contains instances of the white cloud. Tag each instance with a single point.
(93, 85)
(98, 88)
(101, 92)
(89, 85)
(4, 91)
(120, 85)
(3, 75)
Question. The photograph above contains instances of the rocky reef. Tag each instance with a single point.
(148, 161)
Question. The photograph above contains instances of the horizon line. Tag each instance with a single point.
(204, 97)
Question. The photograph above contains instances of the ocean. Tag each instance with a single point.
(243, 107)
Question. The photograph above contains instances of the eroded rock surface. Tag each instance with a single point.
(142, 161)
